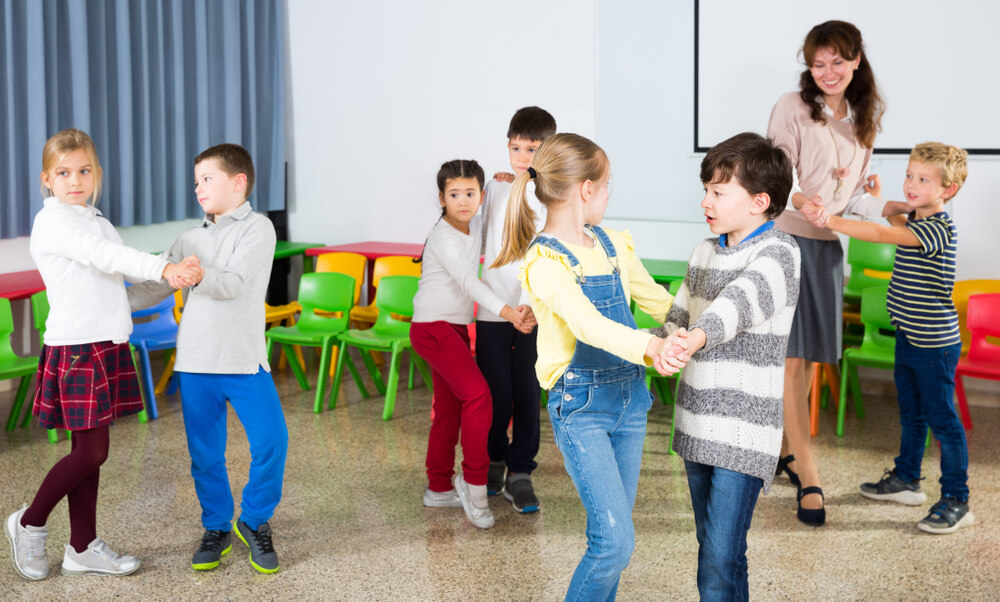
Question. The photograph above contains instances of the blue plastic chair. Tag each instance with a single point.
(158, 334)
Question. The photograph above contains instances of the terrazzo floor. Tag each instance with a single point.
(351, 525)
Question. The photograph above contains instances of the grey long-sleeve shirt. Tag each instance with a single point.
(222, 331)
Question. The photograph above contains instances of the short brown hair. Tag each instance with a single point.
(233, 159)
(533, 123)
(950, 161)
(756, 163)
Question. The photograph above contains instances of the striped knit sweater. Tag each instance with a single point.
(729, 410)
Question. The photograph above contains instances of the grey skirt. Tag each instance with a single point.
(817, 328)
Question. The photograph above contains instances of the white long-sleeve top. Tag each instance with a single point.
(82, 259)
(449, 278)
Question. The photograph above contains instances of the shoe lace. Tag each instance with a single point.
(102, 549)
(942, 506)
(34, 545)
(211, 540)
(262, 536)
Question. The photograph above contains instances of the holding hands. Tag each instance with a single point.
(522, 317)
(184, 273)
(814, 211)
(672, 353)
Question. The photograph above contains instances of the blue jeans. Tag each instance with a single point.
(256, 403)
(723, 503)
(925, 392)
(600, 429)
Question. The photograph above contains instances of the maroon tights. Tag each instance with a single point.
(76, 477)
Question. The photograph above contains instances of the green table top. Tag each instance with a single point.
(665, 271)
(284, 248)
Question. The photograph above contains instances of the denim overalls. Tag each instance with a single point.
(598, 411)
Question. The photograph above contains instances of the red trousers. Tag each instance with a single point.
(462, 404)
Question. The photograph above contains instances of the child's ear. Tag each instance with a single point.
(950, 191)
(441, 198)
(587, 189)
(240, 182)
(761, 201)
(45, 181)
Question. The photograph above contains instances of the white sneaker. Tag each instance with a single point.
(27, 547)
(442, 499)
(478, 510)
(97, 559)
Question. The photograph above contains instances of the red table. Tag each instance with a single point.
(20, 285)
(372, 249)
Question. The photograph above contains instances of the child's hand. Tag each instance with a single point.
(528, 322)
(673, 353)
(873, 185)
(503, 176)
(816, 214)
(187, 272)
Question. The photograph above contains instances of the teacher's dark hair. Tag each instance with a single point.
(862, 93)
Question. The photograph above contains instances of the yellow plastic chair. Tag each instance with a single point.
(391, 265)
(351, 264)
(960, 296)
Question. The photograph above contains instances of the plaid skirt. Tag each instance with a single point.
(86, 386)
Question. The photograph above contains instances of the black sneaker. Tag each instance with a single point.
(891, 488)
(947, 516)
(494, 478)
(519, 491)
(262, 554)
(214, 545)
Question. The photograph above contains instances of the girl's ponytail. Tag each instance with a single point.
(519, 224)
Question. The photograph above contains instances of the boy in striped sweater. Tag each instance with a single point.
(927, 334)
(736, 306)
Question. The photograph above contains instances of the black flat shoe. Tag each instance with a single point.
(814, 517)
(783, 467)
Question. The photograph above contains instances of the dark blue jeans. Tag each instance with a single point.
(723, 503)
(925, 391)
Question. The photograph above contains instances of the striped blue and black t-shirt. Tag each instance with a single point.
(923, 277)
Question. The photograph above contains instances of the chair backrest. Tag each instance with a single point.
(329, 292)
(960, 296)
(351, 264)
(163, 319)
(6, 328)
(871, 263)
(395, 298)
(40, 313)
(394, 265)
(984, 321)
(875, 317)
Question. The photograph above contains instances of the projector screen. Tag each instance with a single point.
(934, 62)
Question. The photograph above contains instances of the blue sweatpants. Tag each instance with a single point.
(256, 403)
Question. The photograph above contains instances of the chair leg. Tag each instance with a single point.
(322, 374)
(147, 382)
(814, 395)
(843, 397)
(373, 370)
(422, 367)
(15, 410)
(168, 371)
(859, 402)
(409, 381)
(543, 398)
(963, 403)
(296, 368)
(53, 435)
(832, 379)
(390, 388)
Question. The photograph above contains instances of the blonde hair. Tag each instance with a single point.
(950, 161)
(62, 144)
(561, 161)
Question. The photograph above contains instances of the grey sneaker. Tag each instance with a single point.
(891, 488)
(214, 545)
(442, 499)
(262, 554)
(494, 478)
(947, 516)
(97, 559)
(520, 492)
(27, 547)
(478, 514)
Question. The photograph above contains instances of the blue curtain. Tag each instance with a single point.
(154, 82)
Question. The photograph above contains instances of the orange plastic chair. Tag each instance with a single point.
(983, 360)
(351, 264)
(392, 265)
(960, 296)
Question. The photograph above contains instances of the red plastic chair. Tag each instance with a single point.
(983, 360)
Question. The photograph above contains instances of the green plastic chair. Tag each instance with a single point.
(870, 256)
(877, 350)
(333, 294)
(394, 297)
(654, 381)
(13, 365)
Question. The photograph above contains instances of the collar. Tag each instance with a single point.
(87, 211)
(849, 118)
(239, 213)
(760, 230)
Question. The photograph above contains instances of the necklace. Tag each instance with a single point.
(841, 171)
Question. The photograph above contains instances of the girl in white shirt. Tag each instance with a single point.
(442, 311)
(85, 375)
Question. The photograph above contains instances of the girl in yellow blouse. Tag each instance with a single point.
(580, 278)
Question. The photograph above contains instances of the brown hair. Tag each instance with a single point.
(757, 164)
(862, 93)
(533, 123)
(950, 161)
(562, 160)
(233, 159)
(62, 144)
